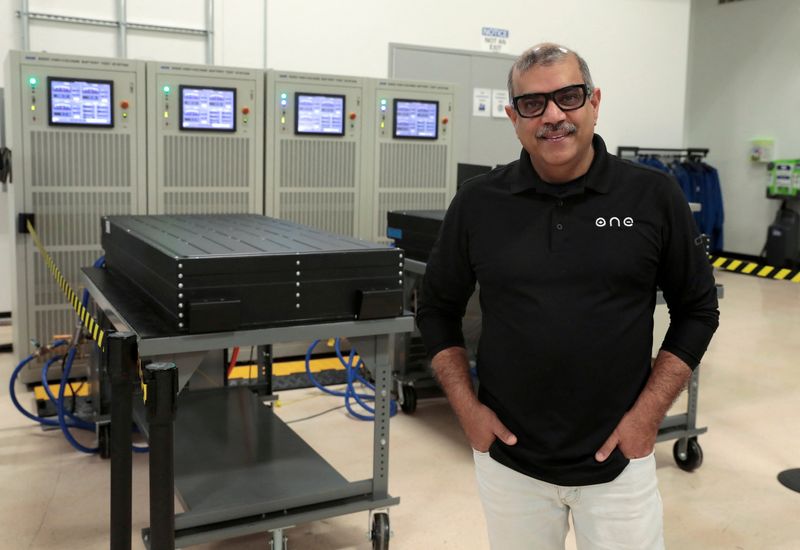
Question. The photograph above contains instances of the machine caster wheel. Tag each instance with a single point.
(694, 455)
(380, 531)
(104, 440)
(409, 402)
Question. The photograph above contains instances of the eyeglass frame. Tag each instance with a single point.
(550, 96)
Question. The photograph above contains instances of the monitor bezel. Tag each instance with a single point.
(297, 131)
(50, 122)
(412, 100)
(182, 128)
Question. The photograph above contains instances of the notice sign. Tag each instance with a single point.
(494, 39)
(481, 102)
(499, 102)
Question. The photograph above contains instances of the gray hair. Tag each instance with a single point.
(546, 54)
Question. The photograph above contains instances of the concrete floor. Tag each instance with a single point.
(55, 498)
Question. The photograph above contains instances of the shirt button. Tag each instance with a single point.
(559, 202)
(559, 227)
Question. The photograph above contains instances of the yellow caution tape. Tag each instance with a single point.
(756, 270)
(95, 332)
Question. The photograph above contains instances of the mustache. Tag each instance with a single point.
(547, 129)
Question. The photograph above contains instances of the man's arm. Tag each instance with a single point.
(686, 278)
(479, 422)
(636, 433)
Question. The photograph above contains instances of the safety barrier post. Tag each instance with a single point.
(122, 361)
(162, 390)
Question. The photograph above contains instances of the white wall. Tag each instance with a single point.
(743, 83)
(637, 49)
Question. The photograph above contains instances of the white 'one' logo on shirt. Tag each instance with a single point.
(614, 221)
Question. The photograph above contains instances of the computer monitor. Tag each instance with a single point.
(80, 102)
(207, 108)
(319, 114)
(416, 119)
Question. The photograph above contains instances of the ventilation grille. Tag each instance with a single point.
(332, 212)
(405, 201)
(51, 313)
(206, 161)
(80, 159)
(47, 292)
(413, 165)
(207, 202)
(73, 219)
(321, 164)
(76, 177)
(50, 322)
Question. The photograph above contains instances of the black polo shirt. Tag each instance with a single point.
(568, 276)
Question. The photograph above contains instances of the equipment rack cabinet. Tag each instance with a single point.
(259, 477)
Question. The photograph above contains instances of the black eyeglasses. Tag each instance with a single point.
(568, 98)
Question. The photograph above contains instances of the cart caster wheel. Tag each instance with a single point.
(104, 440)
(380, 531)
(409, 404)
(694, 455)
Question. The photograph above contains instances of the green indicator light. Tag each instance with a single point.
(33, 81)
(284, 96)
(383, 102)
(166, 89)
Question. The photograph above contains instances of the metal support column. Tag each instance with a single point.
(161, 401)
(25, 34)
(210, 32)
(122, 30)
(122, 358)
(264, 365)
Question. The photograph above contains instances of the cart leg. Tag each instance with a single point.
(279, 541)
(694, 388)
(162, 389)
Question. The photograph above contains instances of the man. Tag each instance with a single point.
(568, 246)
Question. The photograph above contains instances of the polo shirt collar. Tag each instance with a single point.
(595, 178)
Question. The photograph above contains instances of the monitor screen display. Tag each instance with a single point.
(204, 108)
(81, 102)
(319, 114)
(414, 118)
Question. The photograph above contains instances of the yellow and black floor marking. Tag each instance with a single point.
(757, 270)
(97, 334)
(287, 375)
(81, 389)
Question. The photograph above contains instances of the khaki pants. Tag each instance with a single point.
(523, 513)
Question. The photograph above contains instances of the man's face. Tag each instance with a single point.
(557, 141)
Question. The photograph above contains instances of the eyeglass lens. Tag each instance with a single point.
(568, 99)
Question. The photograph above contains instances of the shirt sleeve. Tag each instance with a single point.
(448, 282)
(687, 280)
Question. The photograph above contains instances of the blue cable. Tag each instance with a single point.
(352, 376)
(63, 415)
(78, 422)
(13, 393)
(60, 406)
(362, 380)
(349, 367)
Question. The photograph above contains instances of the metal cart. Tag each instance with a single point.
(237, 468)
(413, 377)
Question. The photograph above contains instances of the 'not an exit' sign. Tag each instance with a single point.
(494, 39)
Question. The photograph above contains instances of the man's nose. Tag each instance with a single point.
(553, 113)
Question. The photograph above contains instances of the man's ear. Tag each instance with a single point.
(595, 101)
(512, 114)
